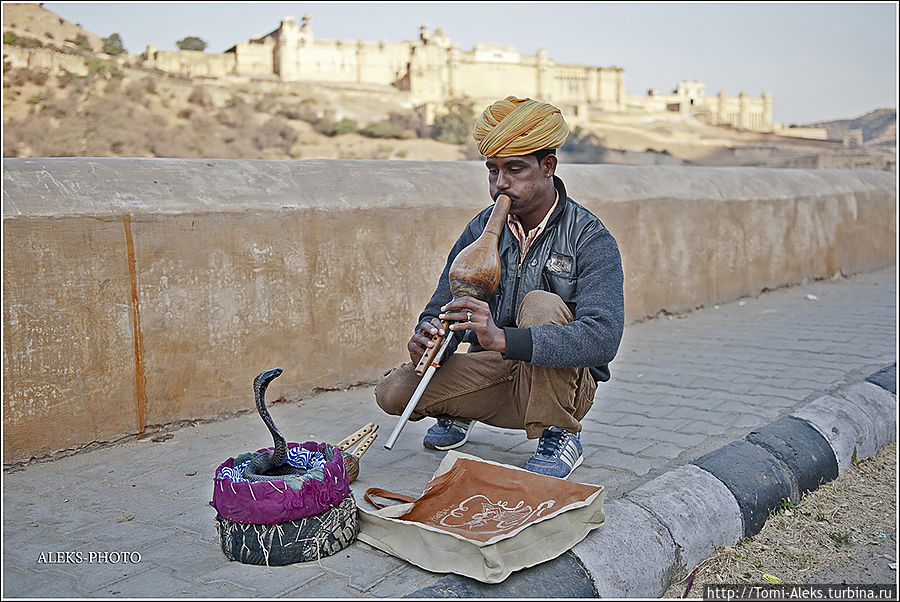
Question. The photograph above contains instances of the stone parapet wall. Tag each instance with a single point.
(44, 59)
(141, 292)
(192, 63)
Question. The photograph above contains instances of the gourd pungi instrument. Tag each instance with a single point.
(475, 272)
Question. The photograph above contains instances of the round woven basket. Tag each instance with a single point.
(286, 499)
(301, 540)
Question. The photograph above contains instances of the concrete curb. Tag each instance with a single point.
(657, 533)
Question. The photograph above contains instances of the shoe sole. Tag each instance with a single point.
(446, 447)
(576, 465)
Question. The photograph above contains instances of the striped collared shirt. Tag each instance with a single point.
(518, 231)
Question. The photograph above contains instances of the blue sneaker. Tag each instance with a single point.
(558, 454)
(448, 434)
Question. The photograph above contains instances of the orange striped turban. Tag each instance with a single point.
(519, 126)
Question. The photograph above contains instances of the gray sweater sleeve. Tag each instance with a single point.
(593, 338)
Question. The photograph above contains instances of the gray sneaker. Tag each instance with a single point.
(558, 454)
(448, 434)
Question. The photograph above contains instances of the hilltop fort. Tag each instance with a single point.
(286, 94)
(433, 69)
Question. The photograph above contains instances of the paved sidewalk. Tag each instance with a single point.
(682, 386)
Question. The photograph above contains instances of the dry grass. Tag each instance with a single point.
(118, 111)
(136, 114)
(818, 533)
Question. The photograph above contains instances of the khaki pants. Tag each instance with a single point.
(483, 386)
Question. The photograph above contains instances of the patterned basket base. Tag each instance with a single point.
(295, 541)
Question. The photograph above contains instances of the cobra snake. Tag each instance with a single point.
(269, 465)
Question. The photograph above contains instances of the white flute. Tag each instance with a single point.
(411, 405)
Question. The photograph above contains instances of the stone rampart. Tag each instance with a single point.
(140, 292)
(44, 59)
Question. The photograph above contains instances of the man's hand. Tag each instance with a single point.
(422, 339)
(468, 313)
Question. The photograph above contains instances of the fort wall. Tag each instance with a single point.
(191, 63)
(433, 70)
(141, 292)
(690, 99)
(43, 59)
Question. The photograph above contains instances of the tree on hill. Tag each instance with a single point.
(191, 43)
(113, 44)
(455, 126)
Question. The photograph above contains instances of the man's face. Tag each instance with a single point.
(522, 179)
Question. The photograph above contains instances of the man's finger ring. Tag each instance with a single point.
(469, 316)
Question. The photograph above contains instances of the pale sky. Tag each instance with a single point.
(819, 60)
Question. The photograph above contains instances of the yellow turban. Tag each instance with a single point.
(519, 126)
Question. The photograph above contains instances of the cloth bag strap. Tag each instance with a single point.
(388, 495)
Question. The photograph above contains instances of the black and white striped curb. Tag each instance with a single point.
(657, 533)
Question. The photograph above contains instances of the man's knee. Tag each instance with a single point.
(392, 391)
(543, 307)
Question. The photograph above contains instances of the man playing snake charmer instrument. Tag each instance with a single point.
(544, 339)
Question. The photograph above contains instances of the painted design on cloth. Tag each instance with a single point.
(494, 517)
(485, 501)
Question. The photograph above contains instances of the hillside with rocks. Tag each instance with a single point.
(49, 29)
(65, 96)
(878, 127)
(115, 110)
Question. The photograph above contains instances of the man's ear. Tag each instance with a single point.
(548, 164)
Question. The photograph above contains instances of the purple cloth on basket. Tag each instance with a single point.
(298, 457)
(273, 502)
